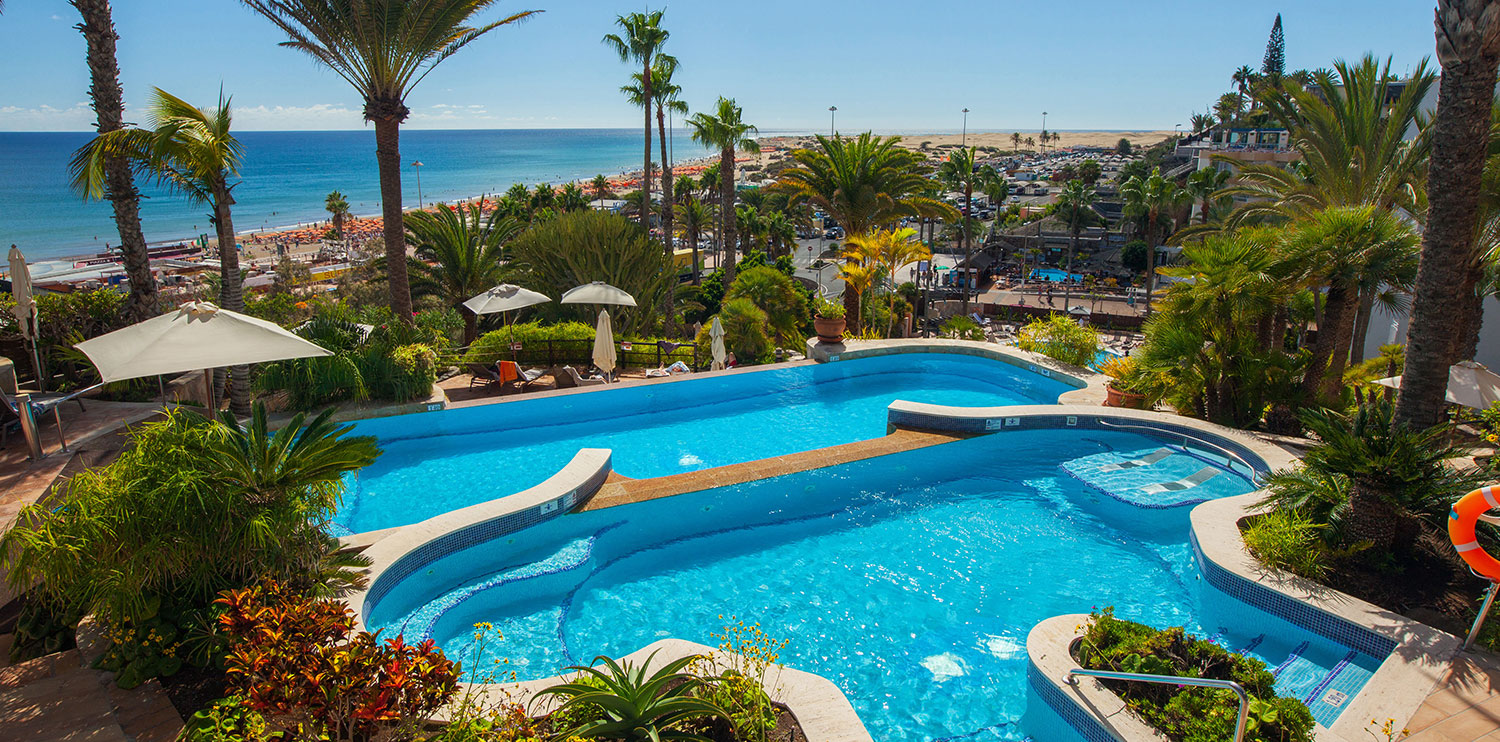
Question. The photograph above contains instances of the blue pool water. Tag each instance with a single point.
(1054, 275)
(437, 462)
(909, 580)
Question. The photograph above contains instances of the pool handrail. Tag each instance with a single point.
(1239, 690)
(1158, 431)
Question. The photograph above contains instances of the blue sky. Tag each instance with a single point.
(1092, 64)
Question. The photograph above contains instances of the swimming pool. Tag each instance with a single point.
(442, 461)
(909, 580)
(1054, 275)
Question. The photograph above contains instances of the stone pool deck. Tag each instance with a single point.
(622, 490)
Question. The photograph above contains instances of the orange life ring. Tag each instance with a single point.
(1461, 519)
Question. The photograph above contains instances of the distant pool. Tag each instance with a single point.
(1053, 275)
(442, 461)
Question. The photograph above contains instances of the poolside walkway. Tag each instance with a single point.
(1464, 706)
(621, 490)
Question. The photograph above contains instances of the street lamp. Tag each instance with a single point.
(1179, 131)
(831, 111)
(418, 165)
(964, 140)
(1044, 131)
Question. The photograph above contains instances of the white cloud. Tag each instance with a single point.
(77, 117)
(320, 116)
(283, 118)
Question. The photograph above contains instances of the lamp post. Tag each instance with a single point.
(964, 140)
(831, 111)
(1044, 131)
(1179, 131)
(417, 164)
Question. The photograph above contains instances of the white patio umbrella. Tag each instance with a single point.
(597, 292)
(25, 309)
(198, 335)
(506, 298)
(1081, 311)
(716, 331)
(1469, 384)
(604, 344)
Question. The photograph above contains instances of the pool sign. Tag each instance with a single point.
(515, 346)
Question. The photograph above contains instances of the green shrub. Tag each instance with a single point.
(962, 328)
(401, 374)
(1060, 337)
(776, 295)
(226, 720)
(1188, 714)
(1286, 540)
(744, 332)
(573, 338)
(828, 309)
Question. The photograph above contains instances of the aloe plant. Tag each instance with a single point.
(624, 702)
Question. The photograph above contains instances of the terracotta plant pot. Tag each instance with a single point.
(830, 329)
(1118, 398)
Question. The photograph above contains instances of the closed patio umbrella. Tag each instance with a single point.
(1469, 384)
(716, 332)
(604, 344)
(198, 335)
(25, 309)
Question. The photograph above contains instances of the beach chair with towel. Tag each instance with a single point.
(570, 377)
(510, 371)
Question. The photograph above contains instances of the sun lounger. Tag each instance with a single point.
(580, 380)
(1146, 460)
(1189, 482)
(482, 373)
(510, 371)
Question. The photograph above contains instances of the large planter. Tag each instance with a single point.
(1117, 398)
(829, 329)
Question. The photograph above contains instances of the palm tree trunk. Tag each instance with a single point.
(1325, 370)
(1068, 281)
(388, 156)
(726, 209)
(697, 274)
(968, 255)
(471, 326)
(646, 167)
(1469, 52)
(1473, 320)
(1371, 517)
(98, 30)
(1362, 325)
(231, 293)
(1150, 258)
(666, 221)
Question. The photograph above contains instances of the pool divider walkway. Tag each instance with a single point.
(622, 490)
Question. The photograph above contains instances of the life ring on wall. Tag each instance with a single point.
(1465, 513)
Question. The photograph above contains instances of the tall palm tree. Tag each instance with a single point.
(1204, 186)
(664, 96)
(641, 42)
(1015, 141)
(1075, 207)
(864, 183)
(190, 151)
(1202, 122)
(1228, 108)
(696, 216)
(1468, 48)
(1030, 142)
(108, 100)
(572, 198)
(859, 271)
(458, 255)
(384, 48)
(781, 233)
(1347, 248)
(959, 173)
(600, 186)
(1242, 78)
(338, 207)
(1149, 198)
(726, 130)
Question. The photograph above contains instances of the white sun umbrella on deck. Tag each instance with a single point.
(716, 332)
(604, 344)
(196, 336)
(1469, 384)
(25, 308)
(505, 298)
(597, 292)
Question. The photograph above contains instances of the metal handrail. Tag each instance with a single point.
(1239, 690)
(1226, 452)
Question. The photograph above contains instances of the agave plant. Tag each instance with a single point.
(624, 702)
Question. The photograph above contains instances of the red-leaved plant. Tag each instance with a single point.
(299, 662)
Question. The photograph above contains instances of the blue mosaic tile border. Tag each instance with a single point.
(1313, 619)
(1081, 721)
(485, 530)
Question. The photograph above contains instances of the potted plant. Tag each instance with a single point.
(1126, 387)
(828, 320)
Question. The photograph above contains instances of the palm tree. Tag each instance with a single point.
(458, 255)
(864, 183)
(383, 48)
(338, 207)
(1149, 198)
(1030, 142)
(1347, 248)
(696, 216)
(726, 130)
(1228, 108)
(891, 250)
(98, 28)
(190, 151)
(1468, 48)
(781, 233)
(1202, 122)
(642, 41)
(1204, 186)
(960, 174)
(751, 226)
(1015, 141)
(1242, 78)
(1075, 207)
(600, 186)
(860, 269)
(664, 95)
(572, 198)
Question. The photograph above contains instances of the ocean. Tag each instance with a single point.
(286, 176)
